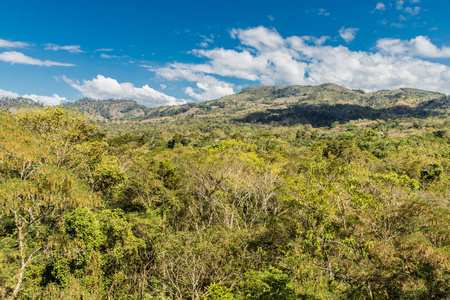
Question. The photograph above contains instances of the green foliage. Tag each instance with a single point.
(209, 207)
(218, 292)
(177, 140)
(432, 172)
(268, 285)
(34, 195)
(107, 174)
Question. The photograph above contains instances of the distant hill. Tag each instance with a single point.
(316, 105)
(14, 104)
(98, 110)
(319, 105)
(110, 110)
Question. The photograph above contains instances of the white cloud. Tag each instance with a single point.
(258, 37)
(392, 46)
(410, 10)
(203, 44)
(46, 100)
(423, 47)
(104, 50)
(398, 25)
(14, 57)
(317, 41)
(70, 48)
(268, 61)
(8, 94)
(9, 44)
(103, 55)
(268, 58)
(205, 40)
(380, 6)
(108, 88)
(420, 46)
(413, 11)
(208, 87)
(348, 34)
(323, 12)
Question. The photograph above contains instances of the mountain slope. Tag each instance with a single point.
(109, 110)
(316, 105)
(13, 104)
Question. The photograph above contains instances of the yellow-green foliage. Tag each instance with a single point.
(199, 210)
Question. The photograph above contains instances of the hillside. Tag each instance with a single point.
(109, 110)
(316, 105)
(98, 110)
(320, 105)
(13, 104)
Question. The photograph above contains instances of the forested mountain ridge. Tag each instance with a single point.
(109, 110)
(14, 104)
(264, 98)
(289, 104)
(97, 110)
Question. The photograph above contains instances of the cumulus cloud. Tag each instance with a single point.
(265, 57)
(409, 9)
(206, 40)
(274, 62)
(103, 55)
(380, 6)
(413, 11)
(104, 50)
(8, 94)
(323, 12)
(392, 46)
(70, 48)
(398, 25)
(9, 44)
(348, 34)
(15, 57)
(208, 87)
(46, 100)
(317, 41)
(108, 88)
(419, 46)
(203, 44)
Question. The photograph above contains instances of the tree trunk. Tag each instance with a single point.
(23, 263)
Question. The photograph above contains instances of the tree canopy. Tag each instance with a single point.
(199, 210)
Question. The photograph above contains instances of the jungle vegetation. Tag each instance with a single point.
(330, 199)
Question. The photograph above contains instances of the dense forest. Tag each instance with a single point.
(328, 198)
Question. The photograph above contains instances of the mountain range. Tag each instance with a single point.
(287, 105)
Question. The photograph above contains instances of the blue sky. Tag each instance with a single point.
(170, 52)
